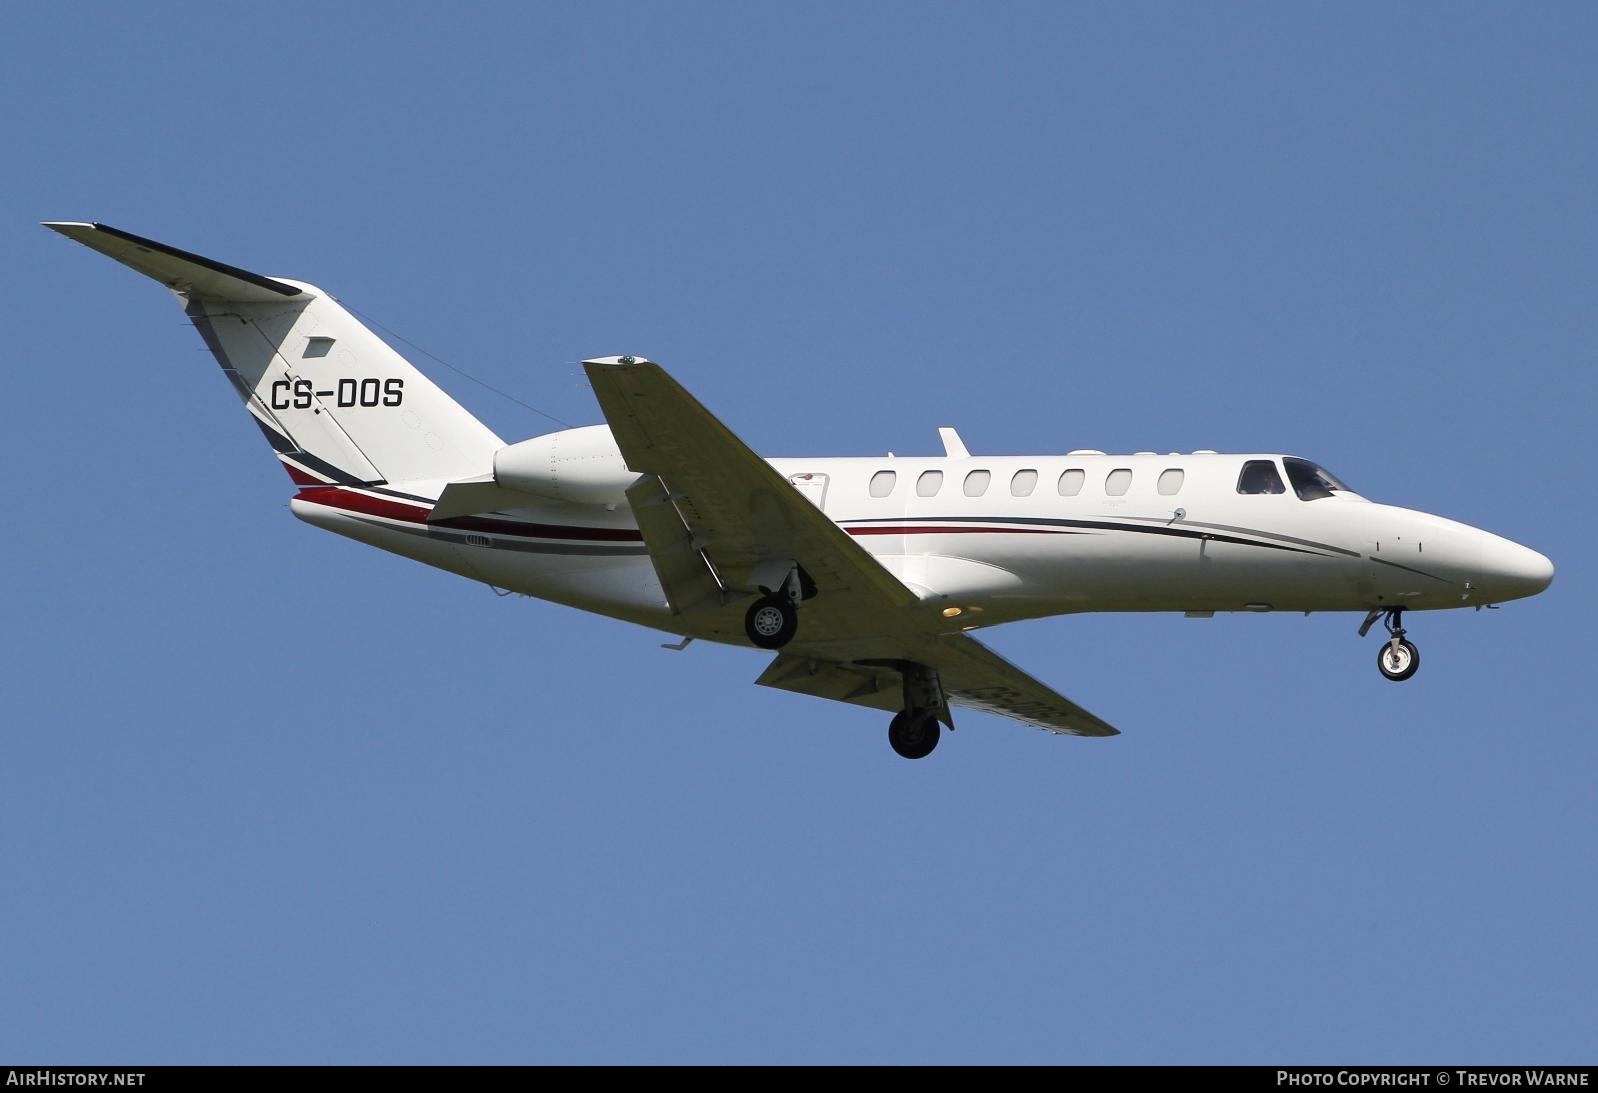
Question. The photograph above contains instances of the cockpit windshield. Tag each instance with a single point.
(1309, 481)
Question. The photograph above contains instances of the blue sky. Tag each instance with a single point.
(271, 796)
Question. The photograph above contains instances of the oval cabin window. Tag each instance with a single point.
(976, 483)
(882, 483)
(1171, 482)
(1117, 482)
(929, 483)
(1071, 482)
(1023, 483)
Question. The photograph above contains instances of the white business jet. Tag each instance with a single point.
(865, 575)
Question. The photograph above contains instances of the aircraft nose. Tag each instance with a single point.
(1511, 571)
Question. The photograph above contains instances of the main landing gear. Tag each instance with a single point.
(773, 619)
(1398, 659)
(914, 731)
(771, 622)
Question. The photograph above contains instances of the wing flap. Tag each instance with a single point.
(842, 681)
(686, 575)
(977, 678)
(974, 677)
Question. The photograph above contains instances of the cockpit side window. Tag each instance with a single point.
(1310, 482)
(1259, 476)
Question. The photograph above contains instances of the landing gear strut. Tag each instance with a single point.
(914, 731)
(1398, 659)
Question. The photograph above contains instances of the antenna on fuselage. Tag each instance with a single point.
(953, 446)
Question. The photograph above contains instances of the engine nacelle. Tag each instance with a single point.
(583, 466)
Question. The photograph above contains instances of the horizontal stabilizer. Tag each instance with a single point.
(475, 496)
(178, 270)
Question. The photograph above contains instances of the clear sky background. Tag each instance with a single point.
(267, 795)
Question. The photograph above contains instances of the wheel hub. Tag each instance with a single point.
(768, 620)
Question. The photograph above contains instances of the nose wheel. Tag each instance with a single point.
(1397, 659)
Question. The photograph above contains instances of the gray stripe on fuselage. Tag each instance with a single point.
(1411, 569)
(1273, 535)
(1094, 525)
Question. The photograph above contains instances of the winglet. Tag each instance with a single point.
(953, 446)
(182, 272)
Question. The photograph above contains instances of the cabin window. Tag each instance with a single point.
(929, 483)
(882, 483)
(1071, 482)
(976, 483)
(1117, 482)
(1171, 482)
(1259, 476)
(1310, 482)
(1023, 483)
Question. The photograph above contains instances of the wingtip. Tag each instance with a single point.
(622, 362)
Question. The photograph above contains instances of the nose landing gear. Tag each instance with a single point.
(1398, 659)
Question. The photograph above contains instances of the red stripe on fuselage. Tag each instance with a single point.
(336, 497)
(351, 501)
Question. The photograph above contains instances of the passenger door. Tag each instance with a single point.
(813, 486)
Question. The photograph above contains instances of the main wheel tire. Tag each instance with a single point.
(913, 735)
(771, 622)
(1400, 663)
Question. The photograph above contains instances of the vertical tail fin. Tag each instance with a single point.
(335, 401)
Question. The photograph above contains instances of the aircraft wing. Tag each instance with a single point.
(712, 513)
(732, 511)
(973, 676)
